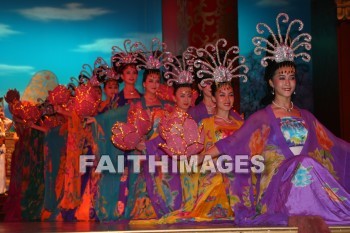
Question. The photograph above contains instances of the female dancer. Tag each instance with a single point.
(209, 199)
(124, 63)
(304, 162)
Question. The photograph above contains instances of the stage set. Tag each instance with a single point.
(32, 227)
(118, 227)
(307, 155)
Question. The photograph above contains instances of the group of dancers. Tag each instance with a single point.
(306, 168)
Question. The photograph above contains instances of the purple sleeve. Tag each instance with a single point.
(340, 151)
(238, 142)
(152, 146)
(236, 115)
(198, 112)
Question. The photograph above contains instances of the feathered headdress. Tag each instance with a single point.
(152, 58)
(180, 70)
(100, 73)
(128, 55)
(219, 63)
(281, 50)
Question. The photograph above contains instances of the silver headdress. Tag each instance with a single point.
(220, 67)
(101, 68)
(180, 72)
(86, 76)
(281, 50)
(100, 73)
(128, 55)
(151, 59)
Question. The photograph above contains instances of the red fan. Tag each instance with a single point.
(86, 101)
(139, 117)
(59, 95)
(182, 135)
(26, 111)
(165, 92)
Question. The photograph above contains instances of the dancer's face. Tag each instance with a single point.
(224, 97)
(152, 83)
(183, 98)
(129, 75)
(283, 82)
(111, 88)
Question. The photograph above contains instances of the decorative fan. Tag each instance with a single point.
(125, 136)
(181, 134)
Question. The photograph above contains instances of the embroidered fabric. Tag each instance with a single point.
(295, 133)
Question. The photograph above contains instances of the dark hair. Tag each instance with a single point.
(269, 73)
(110, 80)
(178, 86)
(12, 95)
(82, 78)
(121, 69)
(216, 86)
(124, 66)
(99, 87)
(201, 95)
(150, 71)
(100, 74)
(197, 82)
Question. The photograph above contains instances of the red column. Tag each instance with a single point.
(210, 20)
(198, 22)
(175, 29)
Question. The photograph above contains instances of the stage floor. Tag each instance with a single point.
(31, 227)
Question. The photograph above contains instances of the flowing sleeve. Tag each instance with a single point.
(332, 152)
(248, 140)
(152, 147)
(164, 190)
(198, 112)
(238, 142)
(102, 130)
(236, 115)
(110, 201)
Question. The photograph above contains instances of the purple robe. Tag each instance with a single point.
(198, 112)
(316, 182)
(122, 100)
(170, 182)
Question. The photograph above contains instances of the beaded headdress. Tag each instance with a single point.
(220, 64)
(100, 73)
(103, 71)
(281, 50)
(128, 55)
(151, 59)
(180, 72)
